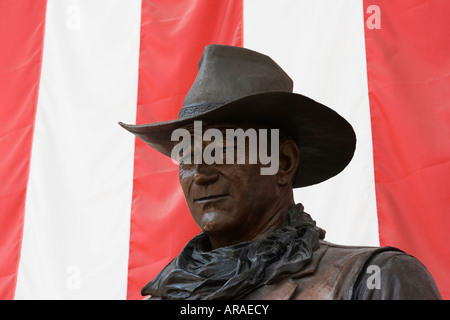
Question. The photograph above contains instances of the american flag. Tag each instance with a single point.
(89, 212)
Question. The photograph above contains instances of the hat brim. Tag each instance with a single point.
(326, 140)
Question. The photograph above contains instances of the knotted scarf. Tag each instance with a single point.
(234, 271)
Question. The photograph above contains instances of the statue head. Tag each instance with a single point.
(243, 140)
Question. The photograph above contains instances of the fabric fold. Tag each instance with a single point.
(234, 271)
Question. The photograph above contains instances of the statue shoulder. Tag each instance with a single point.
(390, 275)
(363, 272)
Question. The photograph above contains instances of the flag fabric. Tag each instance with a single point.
(89, 212)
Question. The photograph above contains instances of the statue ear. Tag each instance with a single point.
(289, 158)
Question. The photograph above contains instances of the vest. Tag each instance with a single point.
(332, 274)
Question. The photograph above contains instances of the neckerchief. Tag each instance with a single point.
(234, 271)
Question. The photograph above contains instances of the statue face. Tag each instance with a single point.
(229, 201)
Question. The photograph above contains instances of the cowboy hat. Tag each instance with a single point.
(238, 85)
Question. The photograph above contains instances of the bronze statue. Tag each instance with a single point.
(256, 243)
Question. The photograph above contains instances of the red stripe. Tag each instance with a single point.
(22, 38)
(409, 77)
(173, 35)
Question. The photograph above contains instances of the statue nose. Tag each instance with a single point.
(205, 174)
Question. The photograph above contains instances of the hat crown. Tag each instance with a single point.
(238, 85)
(227, 73)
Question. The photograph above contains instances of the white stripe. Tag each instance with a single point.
(321, 46)
(76, 233)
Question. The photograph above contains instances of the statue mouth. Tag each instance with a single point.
(211, 198)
